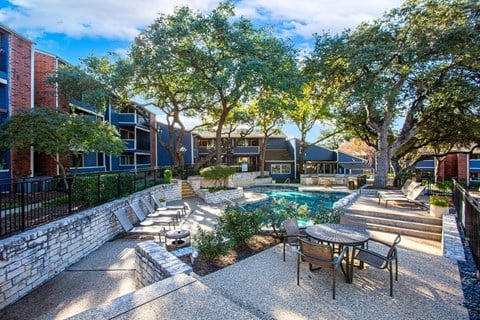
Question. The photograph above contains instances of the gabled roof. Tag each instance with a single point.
(237, 134)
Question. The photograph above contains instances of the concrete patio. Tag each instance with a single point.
(260, 287)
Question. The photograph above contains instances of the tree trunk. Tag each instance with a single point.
(218, 136)
(262, 155)
(383, 159)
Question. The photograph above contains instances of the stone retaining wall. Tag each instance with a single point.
(220, 196)
(155, 263)
(31, 258)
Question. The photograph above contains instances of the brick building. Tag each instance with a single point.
(16, 93)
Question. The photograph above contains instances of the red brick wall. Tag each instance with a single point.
(20, 86)
(45, 95)
(462, 166)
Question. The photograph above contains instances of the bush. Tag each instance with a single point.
(277, 211)
(330, 216)
(211, 245)
(97, 189)
(167, 176)
(239, 225)
(219, 172)
(436, 200)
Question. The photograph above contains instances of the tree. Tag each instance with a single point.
(415, 62)
(59, 134)
(207, 64)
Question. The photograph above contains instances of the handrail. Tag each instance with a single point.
(234, 203)
(287, 180)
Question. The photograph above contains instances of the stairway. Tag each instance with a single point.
(187, 191)
(413, 224)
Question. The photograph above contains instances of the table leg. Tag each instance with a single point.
(352, 264)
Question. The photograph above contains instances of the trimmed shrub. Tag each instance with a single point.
(217, 173)
(167, 176)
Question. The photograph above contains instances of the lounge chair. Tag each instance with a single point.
(407, 187)
(127, 225)
(411, 197)
(144, 221)
(160, 212)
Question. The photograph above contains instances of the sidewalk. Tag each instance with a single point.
(262, 287)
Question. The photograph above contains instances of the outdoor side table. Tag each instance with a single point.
(176, 239)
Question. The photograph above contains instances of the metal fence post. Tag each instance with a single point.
(22, 201)
(99, 197)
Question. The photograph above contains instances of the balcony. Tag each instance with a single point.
(130, 144)
(248, 150)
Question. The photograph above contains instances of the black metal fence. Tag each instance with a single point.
(468, 210)
(27, 203)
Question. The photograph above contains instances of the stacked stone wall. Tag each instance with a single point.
(31, 258)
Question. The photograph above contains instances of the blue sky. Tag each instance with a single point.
(74, 29)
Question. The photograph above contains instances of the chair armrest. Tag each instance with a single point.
(379, 241)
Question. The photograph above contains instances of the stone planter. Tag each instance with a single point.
(437, 211)
(220, 196)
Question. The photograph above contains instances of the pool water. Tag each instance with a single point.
(313, 199)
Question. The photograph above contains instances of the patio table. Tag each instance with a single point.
(340, 234)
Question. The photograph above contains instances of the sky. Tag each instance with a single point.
(75, 29)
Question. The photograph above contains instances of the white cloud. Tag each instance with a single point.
(122, 20)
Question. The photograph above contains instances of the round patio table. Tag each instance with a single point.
(340, 234)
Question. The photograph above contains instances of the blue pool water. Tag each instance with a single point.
(313, 199)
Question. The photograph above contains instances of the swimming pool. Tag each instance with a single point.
(313, 199)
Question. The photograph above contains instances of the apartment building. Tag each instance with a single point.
(16, 93)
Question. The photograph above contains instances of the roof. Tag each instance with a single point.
(237, 134)
(7, 29)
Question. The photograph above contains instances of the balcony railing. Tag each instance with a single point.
(246, 150)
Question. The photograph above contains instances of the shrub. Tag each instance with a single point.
(277, 211)
(211, 245)
(217, 173)
(167, 176)
(239, 225)
(101, 188)
(330, 216)
(436, 200)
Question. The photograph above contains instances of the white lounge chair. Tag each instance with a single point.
(160, 212)
(144, 221)
(411, 197)
(127, 225)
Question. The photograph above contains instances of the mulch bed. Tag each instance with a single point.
(256, 244)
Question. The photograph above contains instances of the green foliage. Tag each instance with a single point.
(211, 244)
(167, 176)
(404, 176)
(57, 133)
(445, 185)
(329, 216)
(98, 189)
(413, 69)
(277, 211)
(239, 225)
(218, 172)
(52, 202)
(437, 200)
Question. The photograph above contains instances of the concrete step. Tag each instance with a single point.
(412, 243)
(421, 227)
(399, 215)
(187, 191)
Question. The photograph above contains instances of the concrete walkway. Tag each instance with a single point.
(262, 286)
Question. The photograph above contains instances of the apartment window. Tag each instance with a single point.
(76, 160)
(127, 159)
(128, 109)
(127, 134)
(254, 143)
(280, 169)
(100, 159)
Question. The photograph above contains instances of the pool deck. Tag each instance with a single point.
(260, 287)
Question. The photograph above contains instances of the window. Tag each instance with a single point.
(100, 159)
(127, 109)
(280, 169)
(127, 134)
(76, 160)
(126, 160)
(475, 156)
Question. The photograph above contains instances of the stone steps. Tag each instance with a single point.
(418, 226)
(187, 191)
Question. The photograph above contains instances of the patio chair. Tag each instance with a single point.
(322, 256)
(144, 221)
(353, 221)
(121, 215)
(379, 260)
(175, 214)
(291, 235)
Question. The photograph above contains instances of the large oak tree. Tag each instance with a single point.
(394, 74)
